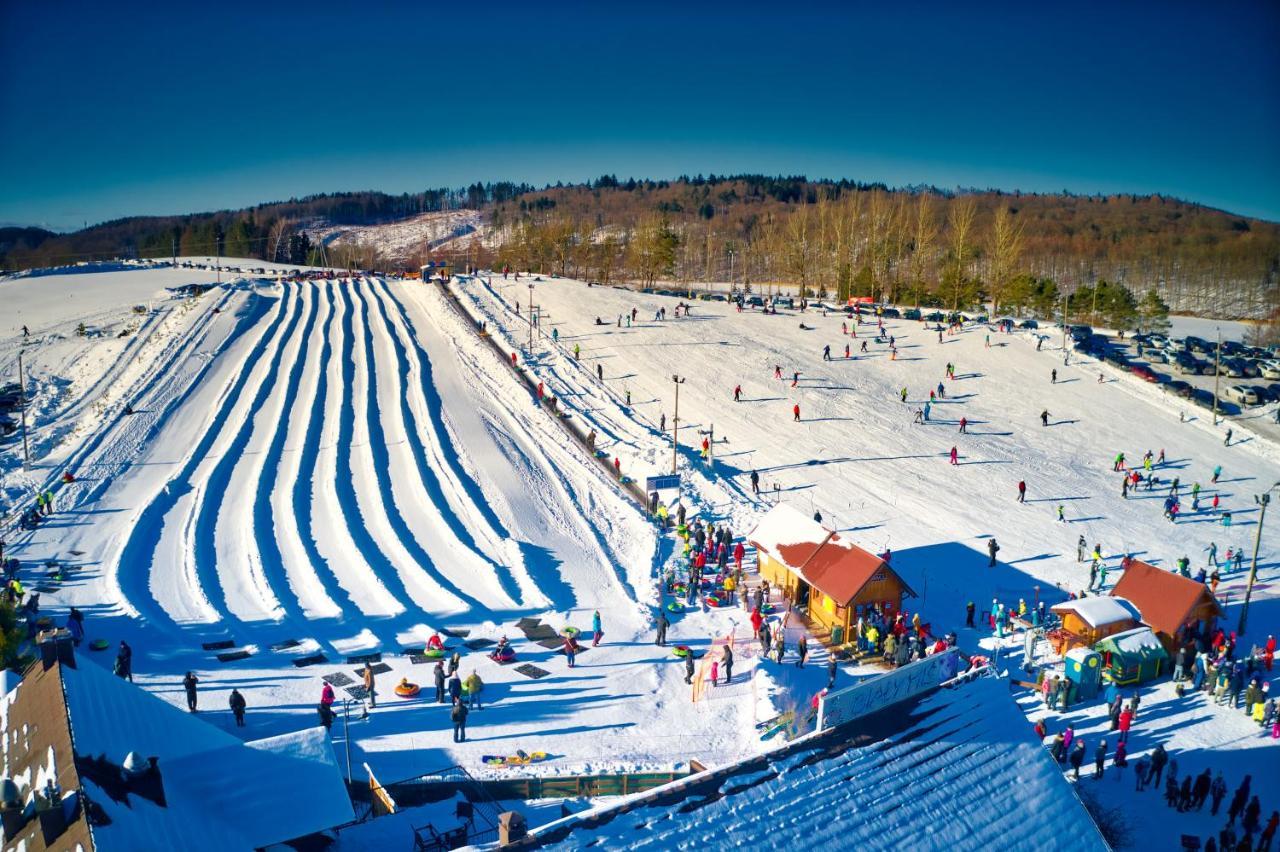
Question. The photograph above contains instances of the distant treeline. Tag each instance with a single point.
(271, 231)
(922, 244)
(919, 243)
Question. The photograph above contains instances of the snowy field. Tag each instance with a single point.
(344, 467)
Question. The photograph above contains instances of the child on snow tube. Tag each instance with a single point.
(405, 689)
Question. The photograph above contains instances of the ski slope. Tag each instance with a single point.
(344, 466)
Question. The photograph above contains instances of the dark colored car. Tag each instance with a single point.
(1116, 358)
(936, 316)
(1180, 388)
(1145, 373)
(1029, 324)
(1200, 396)
(911, 314)
(1271, 393)
(891, 313)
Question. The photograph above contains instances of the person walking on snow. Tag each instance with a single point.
(802, 649)
(370, 684)
(1044, 417)
(1053, 376)
(438, 675)
(755, 482)
(1022, 491)
(237, 704)
(726, 662)
(992, 549)
(189, 684)
(954, 456)
(964, 425)
(795, 411)
(737, 393)
(903, 394)
(661, 624)
(458, 715)
(597, 631)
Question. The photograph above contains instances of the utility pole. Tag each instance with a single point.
(1217, 358)
(1263, 500)
(530, 316)
(1064, 322)
(22, 398)
(675, 423)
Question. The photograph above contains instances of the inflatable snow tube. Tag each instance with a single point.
(568, 630)
(715, 601)
(503, 656)
(679, 589)
(434, 653)
(405, 689)
(675, 606)
(767, 608)
(681, 651)
(99, 645)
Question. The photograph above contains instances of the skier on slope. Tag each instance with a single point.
(1044, 417)
(796, 412)
(737, 393)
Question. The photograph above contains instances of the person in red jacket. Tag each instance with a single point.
(756, 620)
(739, 551)
(617, 467)
(1126, 721)
(796, 411)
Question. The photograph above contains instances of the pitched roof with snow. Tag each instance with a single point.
(1135, 641)
(1165, 599)
(834, 566)
(929, 783)
(1099, 611)
(213, 792)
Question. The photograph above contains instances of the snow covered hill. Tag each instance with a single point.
(406, 240)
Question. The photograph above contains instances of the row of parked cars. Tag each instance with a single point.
(10, 401)
(1186, 357)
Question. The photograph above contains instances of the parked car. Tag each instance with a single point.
(1081, 332)
(936, 316)
(1031, 324)
(1248, 368)
(1179, 388)
(1155, 356)
(1116, 359)
(1201, 396)
(1271, 393)
(1242, 394)
(911, 314)
(891, 313)
(1187, 366)
(1145, 373)
(1229, 368)
(1270, 370)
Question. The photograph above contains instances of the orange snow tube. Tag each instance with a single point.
(405, 689)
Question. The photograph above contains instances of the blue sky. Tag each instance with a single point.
(115, 109)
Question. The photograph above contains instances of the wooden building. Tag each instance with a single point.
(1087, 621)
(825, 576)
(1168, 602)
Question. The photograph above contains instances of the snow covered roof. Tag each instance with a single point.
(833, 565)
(1099, 611)
(788, 535)
(1136, 641)
(927, 784)
(213, 792)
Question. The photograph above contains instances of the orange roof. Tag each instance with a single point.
(836, 567)
(1166, 600)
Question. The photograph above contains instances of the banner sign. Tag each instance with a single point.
(872, 694)
(662, 483)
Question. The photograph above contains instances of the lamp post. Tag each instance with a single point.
(1263, 500)
(675, 422)
(22, 409)
(530, 316)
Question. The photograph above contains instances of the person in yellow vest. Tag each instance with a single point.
(473, 685)
(873, 639)
(730, 584)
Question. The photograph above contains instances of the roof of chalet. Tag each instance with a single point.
(1165, 599)
(834, 566)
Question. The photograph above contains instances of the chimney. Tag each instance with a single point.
(10, 809)
(53, 820)
(511, 828)
(56, 645)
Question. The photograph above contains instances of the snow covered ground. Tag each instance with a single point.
(856, 456)
(341, 467)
